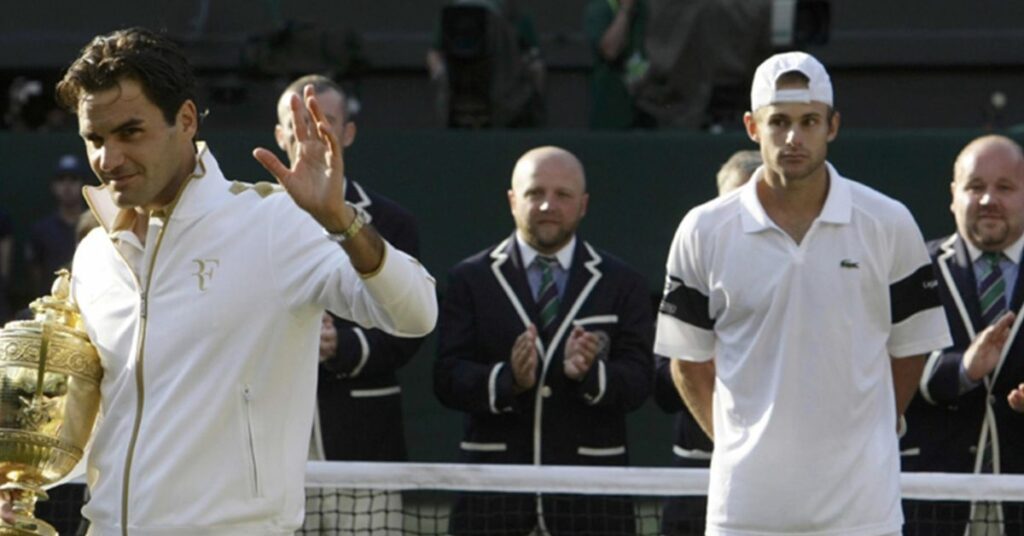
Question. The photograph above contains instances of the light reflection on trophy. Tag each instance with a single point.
(49, 396)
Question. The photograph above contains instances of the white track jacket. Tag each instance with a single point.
(208, 335)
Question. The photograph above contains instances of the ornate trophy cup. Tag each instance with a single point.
(49, 396)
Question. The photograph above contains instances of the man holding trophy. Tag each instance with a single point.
(198, 293)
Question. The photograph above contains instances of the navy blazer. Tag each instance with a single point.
(358, 395)
(944, 428)
(560, 421)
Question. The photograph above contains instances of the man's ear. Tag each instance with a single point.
(952, 197)
(833, 126)
(348, 134)
(188, 118)
(280, 137)
(750, 123)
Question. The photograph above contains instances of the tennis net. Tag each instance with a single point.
(433, 499)
(386, 499)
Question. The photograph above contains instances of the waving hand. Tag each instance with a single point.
(316, 180)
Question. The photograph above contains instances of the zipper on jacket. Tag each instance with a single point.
(143, 315)
(247, 400)
(139, 381)
(143, 305)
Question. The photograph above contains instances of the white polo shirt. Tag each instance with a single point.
(805, 427)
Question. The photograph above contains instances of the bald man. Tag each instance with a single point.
(545, 345)
(963, 419)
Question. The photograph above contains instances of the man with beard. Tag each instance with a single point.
(803, 305)
(962, 420)
(545, 345)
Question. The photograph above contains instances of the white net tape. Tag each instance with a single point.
(639, 481)
(395, 499)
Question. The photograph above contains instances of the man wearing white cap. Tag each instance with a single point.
(798, 310)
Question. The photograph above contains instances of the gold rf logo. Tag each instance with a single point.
(204, 271)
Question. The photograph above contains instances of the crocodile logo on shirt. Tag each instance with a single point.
(204, 271)
(849, 263)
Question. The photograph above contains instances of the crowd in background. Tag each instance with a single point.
(654, 64)
(50, 241)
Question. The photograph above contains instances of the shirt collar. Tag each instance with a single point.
(563, 255)
(1012, 251)
(837, 209)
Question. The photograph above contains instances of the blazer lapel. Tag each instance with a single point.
(1017, 300)
(355, 194)
(966, 284)
(584, 274)
(508, 269)
(965, 291)
(1016, 304)
(957, 262)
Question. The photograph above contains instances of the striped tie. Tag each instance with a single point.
(992, 294)
(992, 289)
(547, 295)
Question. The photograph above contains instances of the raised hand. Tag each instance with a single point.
(524, 359)
(316, 180)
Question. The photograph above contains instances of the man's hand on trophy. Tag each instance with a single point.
(7, 498)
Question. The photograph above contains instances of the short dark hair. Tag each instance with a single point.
(320, 84)
(149, 58)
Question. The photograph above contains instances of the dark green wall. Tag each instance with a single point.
(640, 184)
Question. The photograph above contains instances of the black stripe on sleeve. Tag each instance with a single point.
(914, 293)
(686, 304)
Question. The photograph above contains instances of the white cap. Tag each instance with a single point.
(763, 92)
